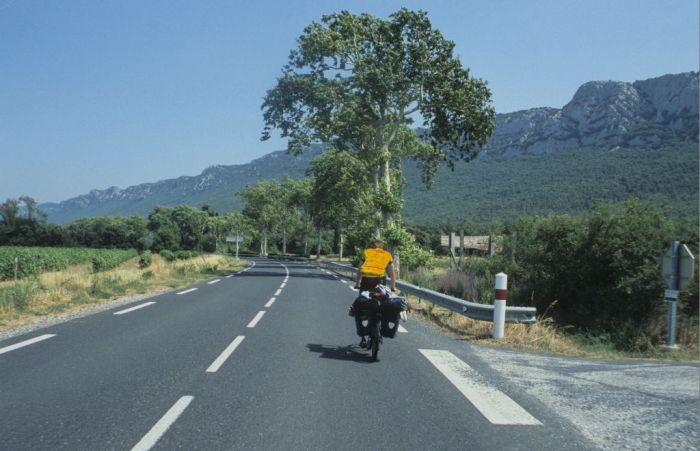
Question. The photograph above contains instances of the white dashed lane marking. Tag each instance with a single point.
(493, 404)
(270, 302)
(214, 367)
(255, 320)
(188, 291)
(214, 281)
(121, 312)
(161, 427)
(26, 343)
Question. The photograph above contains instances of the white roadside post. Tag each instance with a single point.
(499, 305)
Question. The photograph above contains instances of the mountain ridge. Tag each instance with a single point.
(646, 114)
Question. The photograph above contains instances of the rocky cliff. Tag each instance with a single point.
(605, 114)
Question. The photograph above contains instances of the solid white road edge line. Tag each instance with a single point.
(493, 404)
(26, 343)
(214, 281)
(255, 320)
(402, 330)
(277, 293)
(157, 431)
(270, 302)
(121, 312)
(188, 291)
(213, 368)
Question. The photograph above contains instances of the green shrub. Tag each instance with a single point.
(185, 255)
(98, 264)
(168, 255)
(145, 259)
(602, 270)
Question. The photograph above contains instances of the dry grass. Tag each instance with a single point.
(542, 336)
(77, 288)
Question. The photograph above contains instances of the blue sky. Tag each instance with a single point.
(101, 93)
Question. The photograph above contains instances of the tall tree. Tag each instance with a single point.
(166, 233)
(9, 211)
(357, 82)
(340, 192)
(264, 206)
(33, 212)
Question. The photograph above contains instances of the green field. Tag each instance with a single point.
(20, 262)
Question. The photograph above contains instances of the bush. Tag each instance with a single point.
(185, 255)
(145, 259)
(98, 264)
(168, 255)
(412, 256)
(209, 243)
(603, 270)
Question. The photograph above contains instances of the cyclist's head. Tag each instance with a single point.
(376, 243)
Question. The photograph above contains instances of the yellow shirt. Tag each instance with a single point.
(376, 260)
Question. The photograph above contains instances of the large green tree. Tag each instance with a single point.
(264, 206)
(357, 82)
(341, 195)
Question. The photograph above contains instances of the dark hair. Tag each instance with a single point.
(376, 243)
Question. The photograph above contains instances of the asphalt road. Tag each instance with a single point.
(268, 359)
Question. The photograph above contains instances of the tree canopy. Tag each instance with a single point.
(357, 82)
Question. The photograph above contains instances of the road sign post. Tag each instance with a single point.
(677, 269)
(235, 239)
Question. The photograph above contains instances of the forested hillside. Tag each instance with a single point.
(570, 181)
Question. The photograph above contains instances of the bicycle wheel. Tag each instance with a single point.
(375, 341)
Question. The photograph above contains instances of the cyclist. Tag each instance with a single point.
(375, 261)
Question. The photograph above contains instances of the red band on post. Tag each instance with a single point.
(501, 295)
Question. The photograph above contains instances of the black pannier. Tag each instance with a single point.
(365, 310)
(391, 311)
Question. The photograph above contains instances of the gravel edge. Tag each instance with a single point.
(78, 312)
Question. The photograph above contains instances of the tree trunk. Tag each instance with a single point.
(386, 180)
(340, 254)
(318, 245)
(375, 179)
(284, 241)
(397, 263)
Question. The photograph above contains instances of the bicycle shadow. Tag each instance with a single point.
(340, 352)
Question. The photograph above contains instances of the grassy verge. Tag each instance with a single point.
(545, 336)
(77, 287)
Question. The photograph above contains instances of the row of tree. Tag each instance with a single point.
(356, 83)
(171, 228)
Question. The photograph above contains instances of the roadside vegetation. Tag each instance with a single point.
(79, 286)
(546, 335)
(595, 281)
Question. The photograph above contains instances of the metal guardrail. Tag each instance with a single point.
(483, 312)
